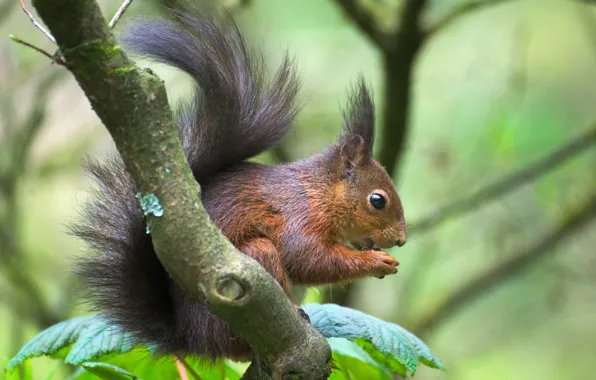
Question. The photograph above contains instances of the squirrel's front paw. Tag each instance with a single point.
(386, 264)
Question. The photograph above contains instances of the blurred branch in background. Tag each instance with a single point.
(365, 22)
(399, 49)
(577, 218)
(511, 182)
(522, 262)
(459, 11)
(28, 300)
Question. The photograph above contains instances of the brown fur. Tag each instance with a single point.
(299, 220)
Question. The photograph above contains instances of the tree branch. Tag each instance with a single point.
(458, 12)
(34, 22)
(365, 22)
(399, 53)
(399, 61)
(119, 13)
(466, 294)
(133, 106)
(509, 183)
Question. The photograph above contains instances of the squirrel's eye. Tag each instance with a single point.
(377, 201)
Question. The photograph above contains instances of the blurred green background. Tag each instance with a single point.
(493, 91)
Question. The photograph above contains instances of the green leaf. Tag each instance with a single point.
(108, 371)
(82, 340)
(343, 347)
(51, 341)
(20, 372)
(354, 363)
(387, 343)
(221, 370)
(100, 338)
(313, 295)
(77, 340)
(379, 346)
(234, 369)
(138, 361)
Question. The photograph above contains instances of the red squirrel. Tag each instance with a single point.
(320, 220)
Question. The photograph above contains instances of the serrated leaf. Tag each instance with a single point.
(387, 343)
(78, 374)
(95, 339)
(51, 341)
(100, 338)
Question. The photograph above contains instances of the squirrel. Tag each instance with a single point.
(321, 220)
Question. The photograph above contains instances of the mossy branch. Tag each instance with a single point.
(133, 106)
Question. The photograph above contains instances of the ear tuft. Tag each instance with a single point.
(359, 119)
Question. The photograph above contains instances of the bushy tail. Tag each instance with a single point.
(232, 117)
(123, 278)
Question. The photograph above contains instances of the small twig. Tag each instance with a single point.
(507, 270)
(22, 42)
(187, 367)
(119, 13)
(509, 183)
(55, 59)
(181, 370)
(38, 25)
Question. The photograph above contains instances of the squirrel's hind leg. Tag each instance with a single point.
(264, 251)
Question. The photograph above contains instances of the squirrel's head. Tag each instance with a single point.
(373, 216)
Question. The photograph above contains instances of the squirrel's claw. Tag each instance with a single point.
(302, 313)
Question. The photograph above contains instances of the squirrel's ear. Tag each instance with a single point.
(353, 151)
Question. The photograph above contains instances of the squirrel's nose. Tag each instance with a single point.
(400, 242)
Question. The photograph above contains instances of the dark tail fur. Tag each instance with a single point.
(232, 117)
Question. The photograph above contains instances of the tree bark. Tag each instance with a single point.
(133, 106)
